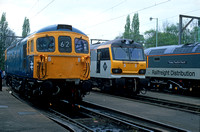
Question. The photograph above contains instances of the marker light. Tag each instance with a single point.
(116, 70)
(142, 71)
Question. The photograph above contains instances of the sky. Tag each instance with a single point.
(99, 19)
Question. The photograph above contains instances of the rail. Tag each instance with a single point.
(191, 108)
(132, 119)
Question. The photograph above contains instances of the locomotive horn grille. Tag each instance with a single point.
(64, 27)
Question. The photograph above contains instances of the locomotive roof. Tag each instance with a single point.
(17, 42)
(56, 27)
(60, 27)
(117, 42)
(174, 49)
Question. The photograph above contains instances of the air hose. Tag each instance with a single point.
(41, 68)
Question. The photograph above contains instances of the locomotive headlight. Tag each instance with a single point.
(84, 58)
(142, 71)
(116, 70)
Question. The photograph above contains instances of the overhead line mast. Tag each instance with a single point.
(181, 29)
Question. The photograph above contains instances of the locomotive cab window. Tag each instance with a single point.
(65, 44)
(46, 44)
(136, 54)
(120, 53)
(128, 54)
(32, 44)
(28, 47)
(81, 46)
(104, 54)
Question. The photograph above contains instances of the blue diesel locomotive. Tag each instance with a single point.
(174, 68)
(53, 62)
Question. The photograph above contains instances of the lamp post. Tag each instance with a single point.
(156, 29)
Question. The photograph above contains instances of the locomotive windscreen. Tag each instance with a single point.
(128, 54)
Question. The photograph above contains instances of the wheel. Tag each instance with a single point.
(143, 91)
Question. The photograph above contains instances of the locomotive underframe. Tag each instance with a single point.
(126, 86)
(175, 85)
(72, 90)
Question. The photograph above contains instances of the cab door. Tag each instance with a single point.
(98, 61)
(29, 58)
(24, 57)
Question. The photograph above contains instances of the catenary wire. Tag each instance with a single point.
(44, 8)
(128, 14)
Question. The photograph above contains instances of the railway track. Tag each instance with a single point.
(195, 109)
(61, 119)
(98, 118)
(84, 119)
(92, 120)
(91, 117)
(186, 107)
(132, 119)
(69, 123)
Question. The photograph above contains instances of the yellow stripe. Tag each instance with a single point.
(174, 54)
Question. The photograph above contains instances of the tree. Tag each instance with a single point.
(194, 34)
(127, 32)
(150, 38)
(7, 36)
(132, 29)
(3, 32)
(169, 36)
(25, 27)
(135, 33)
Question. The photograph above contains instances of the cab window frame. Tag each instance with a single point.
(46, 47)
(61, 46)
(32, 46)
(81, 46)
(104, 53)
